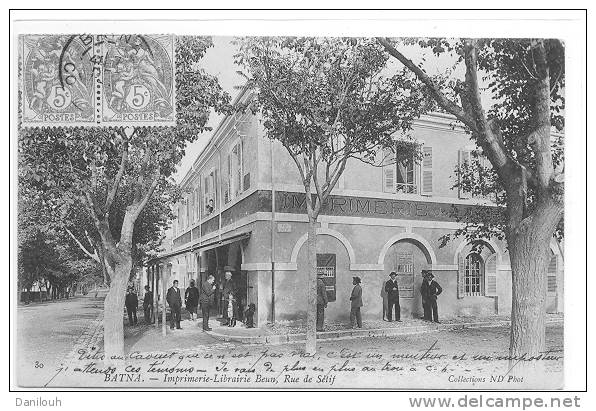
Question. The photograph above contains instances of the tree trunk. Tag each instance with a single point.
(311, 288)
(529, 250)
(113, 322)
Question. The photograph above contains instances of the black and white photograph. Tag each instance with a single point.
(218, 206)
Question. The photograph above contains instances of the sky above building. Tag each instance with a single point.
(219, 61)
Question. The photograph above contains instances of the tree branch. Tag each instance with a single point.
(540, 138)
(112, 192)
(443, 101)
(93, 256)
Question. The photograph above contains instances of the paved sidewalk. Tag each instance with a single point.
(148, 338)
(281, 334)
(48, 334)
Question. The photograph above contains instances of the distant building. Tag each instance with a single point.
(243, 211)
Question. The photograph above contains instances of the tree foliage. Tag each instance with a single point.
(509, 71)
(118, 181)
(514, 131)
(83, 173)
(328, 100)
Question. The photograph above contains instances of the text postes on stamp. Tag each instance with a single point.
(97, 80)
(57, 80)
(138, 80)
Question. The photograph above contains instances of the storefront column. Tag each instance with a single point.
(201, 267)
(164, 287)
(259, 294)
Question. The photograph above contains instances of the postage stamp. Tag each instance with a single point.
(97, 80)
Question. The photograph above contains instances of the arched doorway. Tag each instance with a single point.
(407, 257)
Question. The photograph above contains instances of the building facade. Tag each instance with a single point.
(244, 211)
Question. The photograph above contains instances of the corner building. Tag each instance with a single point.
(244, 211)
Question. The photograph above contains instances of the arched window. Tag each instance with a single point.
(473, 275)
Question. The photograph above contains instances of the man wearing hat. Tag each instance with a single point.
(392, 291)
(227, 287)
(356, 298)
(322, 301)
(429, 290)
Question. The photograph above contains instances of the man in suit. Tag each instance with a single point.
(131, 302)
(207, 299)
(429, 290)
(175, 302)
(356, 299)
(392, 290)
(227, 287)
(148, 304)
(321, 303)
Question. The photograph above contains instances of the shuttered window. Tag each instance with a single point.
(388, 171)
(238, 174)
(490, 274)
(227, 190)
(236, 182)
(551, 275)
(426, 187)
(400, 176)
(460, 277)
(214, 189)
(326, 270)
(197, 195)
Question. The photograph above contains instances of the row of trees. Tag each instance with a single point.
(111, 190)
(328, 101)
(45, 259)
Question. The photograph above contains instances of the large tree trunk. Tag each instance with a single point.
(311, 288)
(529, 250)
(113, 323)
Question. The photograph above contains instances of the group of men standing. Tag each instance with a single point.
(205, 297)
(429, 290)
(193, 297)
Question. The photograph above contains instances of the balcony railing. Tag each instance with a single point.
(406, 188)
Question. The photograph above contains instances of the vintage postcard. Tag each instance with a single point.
(274, 211)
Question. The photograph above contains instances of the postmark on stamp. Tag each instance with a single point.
(97, 80)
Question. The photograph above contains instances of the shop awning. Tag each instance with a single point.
(206, 246)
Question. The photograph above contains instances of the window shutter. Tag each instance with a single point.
(215, 202)
(389, 171)
(551, 275)
(427, 171)
(240, 170)
(192, 206)
(198, 201)
(490, 274)
(460, 277)
(463, 157)
(228, 188)
(205, 195)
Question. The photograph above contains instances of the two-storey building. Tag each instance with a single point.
(244, 211)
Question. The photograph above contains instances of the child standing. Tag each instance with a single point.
(231, 311)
